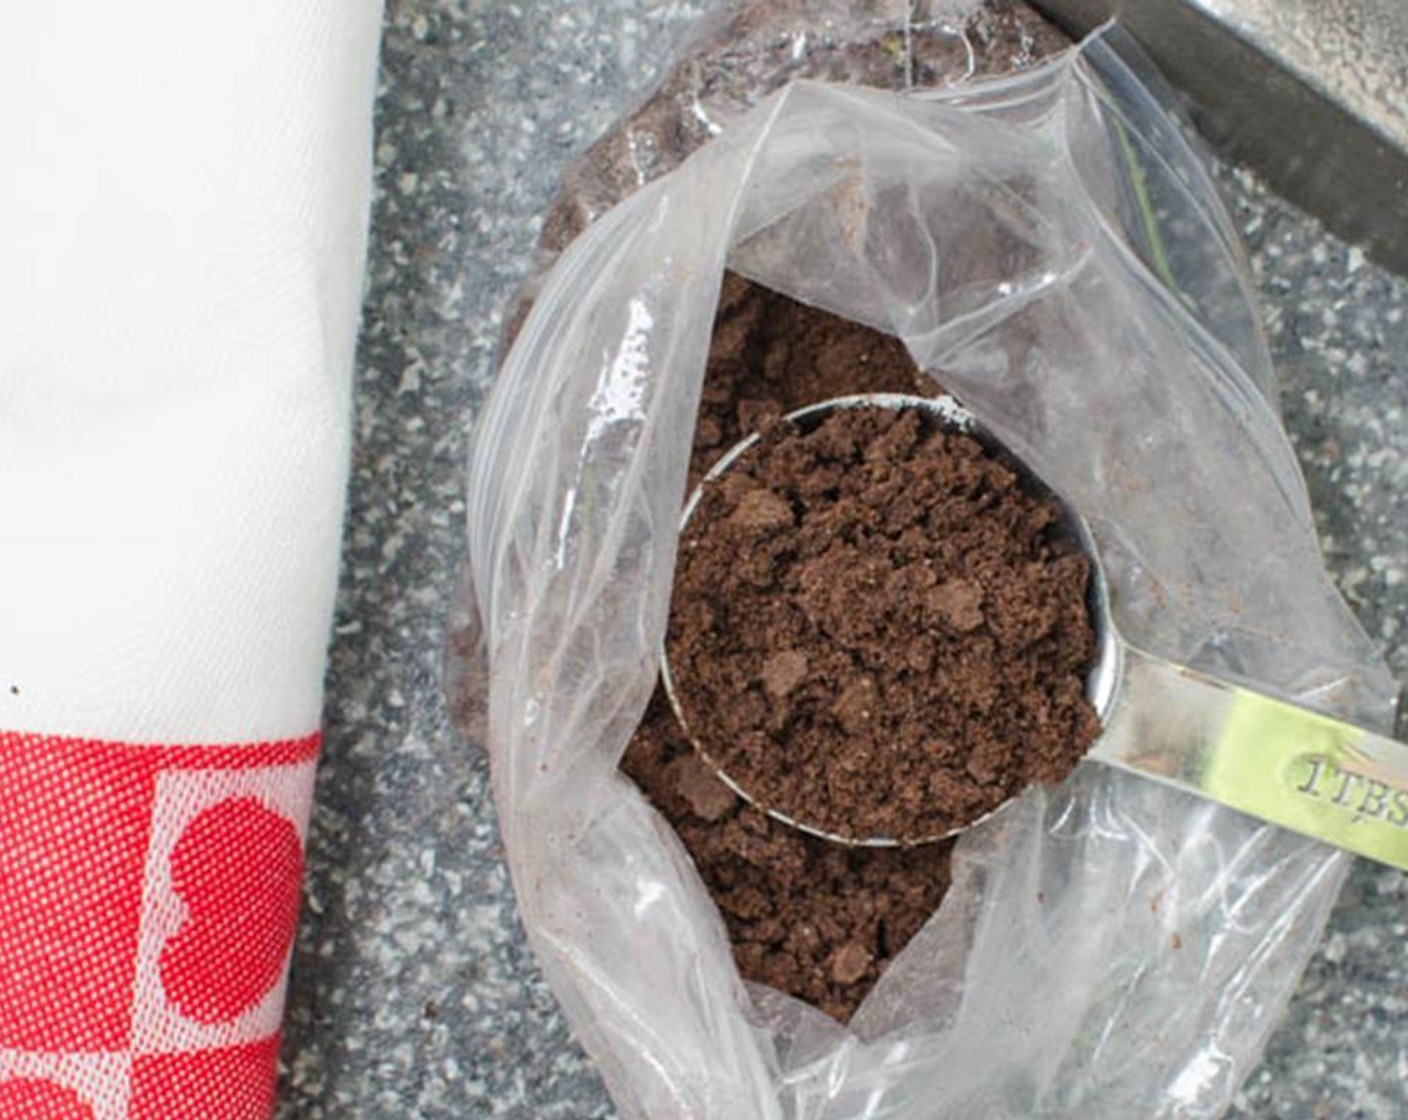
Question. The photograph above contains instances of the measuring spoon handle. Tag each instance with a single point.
(1268, 758)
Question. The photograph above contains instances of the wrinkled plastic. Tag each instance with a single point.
(1051, 250)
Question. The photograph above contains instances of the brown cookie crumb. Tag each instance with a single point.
(784, 671)
(958, 602)
(886, 534)
(790, 901)
(760, 510)
(694, 780)
(850, 962)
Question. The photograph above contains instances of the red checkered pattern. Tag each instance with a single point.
(148, 901)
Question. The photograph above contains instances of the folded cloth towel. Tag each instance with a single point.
(183, 216)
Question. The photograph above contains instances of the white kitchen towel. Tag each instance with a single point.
(183, 209)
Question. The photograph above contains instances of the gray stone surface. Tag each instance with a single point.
(1338, 328)
(414, 994)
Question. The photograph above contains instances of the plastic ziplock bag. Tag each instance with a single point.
(1050, 249)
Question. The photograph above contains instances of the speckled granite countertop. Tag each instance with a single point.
(413, 993)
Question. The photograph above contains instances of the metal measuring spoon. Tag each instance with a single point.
(1266, 757)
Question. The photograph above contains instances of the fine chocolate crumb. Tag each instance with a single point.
(790, 901)
(940, 608)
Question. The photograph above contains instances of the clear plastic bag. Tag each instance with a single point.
(1051, 250)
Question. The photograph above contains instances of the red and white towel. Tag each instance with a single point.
(183, 210)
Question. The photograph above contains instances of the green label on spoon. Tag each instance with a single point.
(1313, 774)
(1271, 759)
